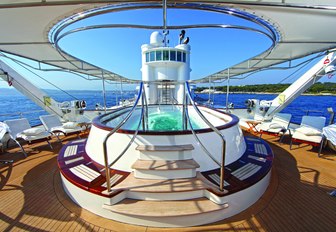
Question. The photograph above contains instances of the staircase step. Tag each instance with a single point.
(158, 189)
(133, 207)
(165, 169)
(163, 165)
(159, 152)
(134, 184)
(183, 147)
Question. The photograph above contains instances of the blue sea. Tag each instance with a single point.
(14, 105)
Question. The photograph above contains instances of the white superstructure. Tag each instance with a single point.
(164, 70)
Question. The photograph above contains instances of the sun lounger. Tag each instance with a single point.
(252, 123)
(20, 129)
(278, 125)
(3, 131)
(53, 124)
(310, 131)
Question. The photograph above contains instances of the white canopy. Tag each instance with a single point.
(302, 28)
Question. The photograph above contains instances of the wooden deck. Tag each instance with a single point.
(32, 197)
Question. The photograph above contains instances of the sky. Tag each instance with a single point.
(119, 50)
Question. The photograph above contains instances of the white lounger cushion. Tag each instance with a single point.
(42, 135)
(18, 126)
(33, 131)
(70, 125)
(280, 122)
(308, 131)
(65, 130)
(54, 125)
(309, 138)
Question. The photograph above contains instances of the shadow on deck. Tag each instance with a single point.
(297, 199)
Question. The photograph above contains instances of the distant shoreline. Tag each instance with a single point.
(275, 93)
(317, 89)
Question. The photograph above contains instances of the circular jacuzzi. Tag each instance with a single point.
(165, 163)
(164, 127)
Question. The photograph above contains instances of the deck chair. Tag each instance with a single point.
(3, 131)
(277, 126)
(310, 132)
(53, 124)
(20, 129)
(252, 123)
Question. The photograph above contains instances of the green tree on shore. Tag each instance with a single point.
(317, 88)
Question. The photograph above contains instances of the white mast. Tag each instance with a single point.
(323, 67)
(68, 110)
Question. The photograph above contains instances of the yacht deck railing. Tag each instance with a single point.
(143, 121)
(144, 114)
(187, 118)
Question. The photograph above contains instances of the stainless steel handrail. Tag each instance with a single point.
(222, 163)
(132, 139)
(106, 163)
(198, 140)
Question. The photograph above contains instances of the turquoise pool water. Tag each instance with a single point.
(165, 121)
(160, 120)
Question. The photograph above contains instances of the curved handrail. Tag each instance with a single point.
(107, 170)
(198, 140)
(132, 139)
(200, 113)
(222, 164)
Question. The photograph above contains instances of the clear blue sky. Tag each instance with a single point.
(118, 50)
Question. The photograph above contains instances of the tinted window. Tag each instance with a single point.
(152, 56)
(179, 56)
(165, 55)
(147, 57)
(173, 55)
(158, 55)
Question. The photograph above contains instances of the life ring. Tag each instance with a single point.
(326, 61)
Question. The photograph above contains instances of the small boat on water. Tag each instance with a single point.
(166, 161)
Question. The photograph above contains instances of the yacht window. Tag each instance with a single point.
(147, 57)
(179, 56)
(184, 56)
(158, 55)
(173, 55)
(152, 56)
(165, 55)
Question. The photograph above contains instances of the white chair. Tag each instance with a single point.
(20, 129)
(278, 125)
(310, 132)
(53, 124)
(3, 132)
(252, 123)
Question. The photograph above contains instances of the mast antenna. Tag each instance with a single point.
(165, 31)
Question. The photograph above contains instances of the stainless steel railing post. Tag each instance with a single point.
(106, 163)
(222, 168)
(223, 155)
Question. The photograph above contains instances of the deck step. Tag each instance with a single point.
(183, 147)
(154, 189)
(165, 152)
(165, 164)
(165, 169)
(133, 207)
(156, 186)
